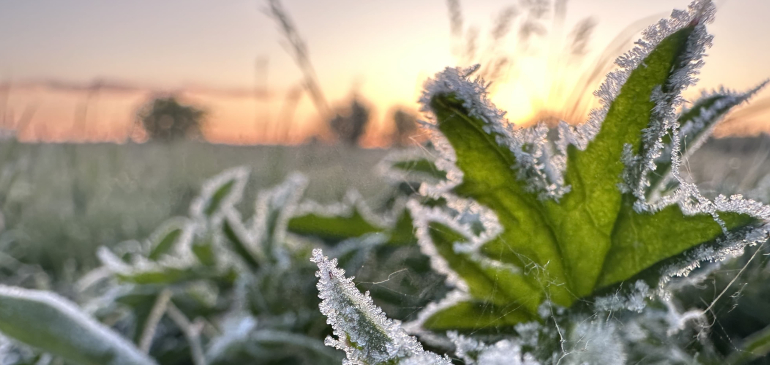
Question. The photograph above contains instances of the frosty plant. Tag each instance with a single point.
(600, 219)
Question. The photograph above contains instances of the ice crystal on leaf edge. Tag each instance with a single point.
(542, 165)
(361, 328)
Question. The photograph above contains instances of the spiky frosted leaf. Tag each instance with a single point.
(490, 181)
(53, 324)
(413, 165)
(351, 218)
(561, 213)
(696, 126)
(240, 241)
(273, 210)
(219, 194)
(486, 280)
(361, 328)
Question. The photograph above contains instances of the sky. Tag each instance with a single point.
(219, 52)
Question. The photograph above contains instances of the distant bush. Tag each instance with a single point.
(406, 127)
(167, 119)
(349, 125)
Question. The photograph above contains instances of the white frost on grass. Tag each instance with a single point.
(697, 125)
(352, 202)
(503, 352)
(387, 166)
(52, 323)
(202, 203)
(274, 208)
(361, 328)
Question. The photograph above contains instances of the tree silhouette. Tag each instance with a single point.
(350, 126)
(166, 119)
(406, 127)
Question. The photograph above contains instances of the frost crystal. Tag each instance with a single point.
(541, 164)
(390, 166)
(504, 352)
(351, 203)
(635, 301)
(208, 202)
(273, 209)
(536, 162)
(594, 342)
(363, 331)
(698, 125)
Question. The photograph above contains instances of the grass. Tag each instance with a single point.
(64, 200)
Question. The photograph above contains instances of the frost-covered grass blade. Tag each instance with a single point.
(51, 323)
(360, 327)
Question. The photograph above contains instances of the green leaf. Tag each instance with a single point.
(360, 327)
(490, 181)
(168, 235)
(163, 275)
(273, 210)
(236, 236)
(352, 219)
(475, 315)
(697, 124)
(220, 193)
(55, 325)
(418, 168)
(216, 199)
(165, 244)
(332, 229)
(586, 216)
(204, 252)
(641, 240)
(572, 245)
(493, 284)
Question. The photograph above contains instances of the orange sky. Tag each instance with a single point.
(383, 51)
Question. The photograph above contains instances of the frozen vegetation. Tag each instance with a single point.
(493, 245)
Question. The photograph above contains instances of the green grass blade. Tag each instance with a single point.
(51, 323)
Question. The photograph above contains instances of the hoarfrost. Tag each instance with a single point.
(46, 318)
(541, 165)
(361, 328)
(535, 163)
(593, 342)
(698, 129)
(666, 98)
(273, 210)
(634, 301)
(387, 166)
(351, 203)
(452, 298)
(504, 352)
(200, 206)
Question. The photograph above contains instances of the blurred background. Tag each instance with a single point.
(113, 113)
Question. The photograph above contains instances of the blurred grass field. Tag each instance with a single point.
(61, 201)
